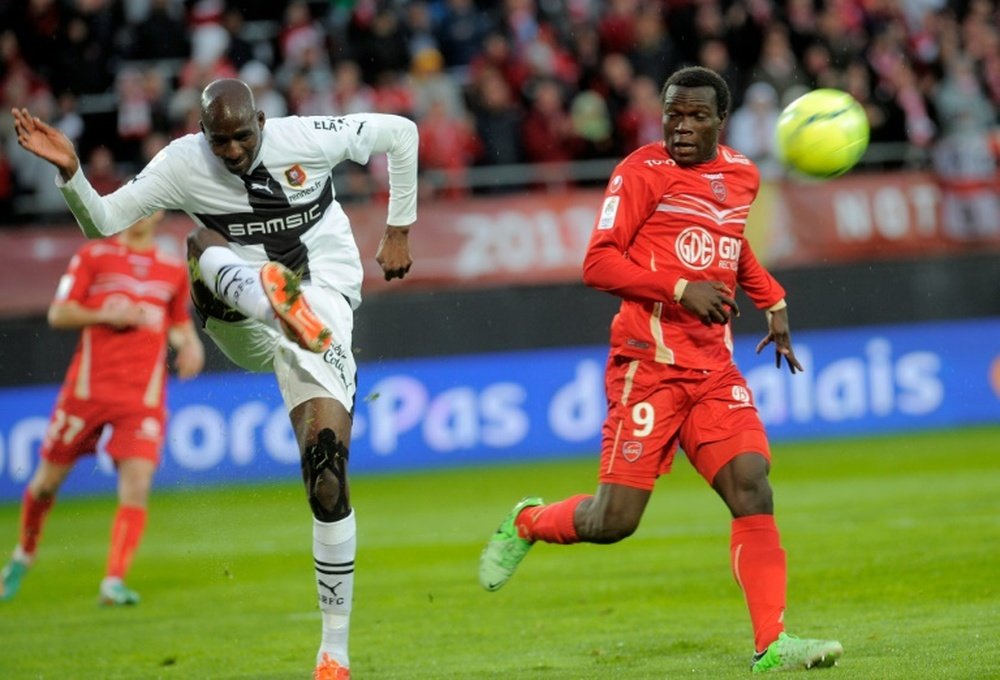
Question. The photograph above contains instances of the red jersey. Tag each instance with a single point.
(127, 365)
(661, 222)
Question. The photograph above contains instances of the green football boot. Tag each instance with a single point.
(505, 549)
(116, 594)
(789, 653)
(10, 578)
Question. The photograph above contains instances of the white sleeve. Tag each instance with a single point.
(396, 137)
(100, 216)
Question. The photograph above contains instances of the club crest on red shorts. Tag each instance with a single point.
(631, 451)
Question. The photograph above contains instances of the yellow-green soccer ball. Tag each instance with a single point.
(822, 134)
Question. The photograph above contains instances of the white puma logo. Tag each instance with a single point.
(261, 187)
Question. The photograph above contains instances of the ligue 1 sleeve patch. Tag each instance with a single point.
(608, 212)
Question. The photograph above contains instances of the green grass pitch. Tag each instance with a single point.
(893, 548)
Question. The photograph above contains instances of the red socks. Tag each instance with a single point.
(126, 532)
(759, 567)
(550, 523)
(33, 513)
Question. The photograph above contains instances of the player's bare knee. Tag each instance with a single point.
(751, 497)
(324, 470)
(44, 492)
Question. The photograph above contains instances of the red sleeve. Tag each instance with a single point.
(628, 201)
(75, 283)
(762, 288)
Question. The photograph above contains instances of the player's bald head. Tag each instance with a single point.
(227, 99)
(231, 123)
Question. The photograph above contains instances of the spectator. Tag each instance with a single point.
(299, 33)
(751, 128)
(585, 46)
(617, 77)
(239, 52)
(69, 121)
(135, 111)
(313, 67)
(379, 46)
(548, 134)
(818, 66)
(642, 120)
(652, 52)
(420, 30)
(161, 35)
(546, 59)
(429, 83)
(965, 158)
(777, 65)
(460, 34)
(350, 93)
(20, 84)
(393, 94)
(591, 125)
(102, 171)
(714, 55)
(617, 26)
(448, 144)
(258, 76)
(496, 55)
(498, 121)
(208, 60)
(81, 60)
(37, 25)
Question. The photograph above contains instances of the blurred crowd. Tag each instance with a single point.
(492, 82)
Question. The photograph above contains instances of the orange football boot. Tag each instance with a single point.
(328, 669)
(283, 288)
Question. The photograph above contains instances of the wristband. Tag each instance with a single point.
(679, 288)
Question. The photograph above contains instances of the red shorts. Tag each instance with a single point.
(653, 408)
(76, 426)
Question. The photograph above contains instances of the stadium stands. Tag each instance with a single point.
(525, 81)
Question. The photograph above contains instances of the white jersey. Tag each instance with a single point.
(284, 209)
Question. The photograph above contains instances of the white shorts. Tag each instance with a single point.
(302, 375)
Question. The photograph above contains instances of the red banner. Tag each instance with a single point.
(515, 239)
(880, 217)
(538, 238)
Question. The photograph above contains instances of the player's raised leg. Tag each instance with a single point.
(271, 294)
(610, 515)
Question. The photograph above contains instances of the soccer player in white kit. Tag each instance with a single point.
(276, 275)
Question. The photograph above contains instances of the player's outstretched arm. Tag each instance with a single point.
(780, 334)
(46, 142)
(393, 253)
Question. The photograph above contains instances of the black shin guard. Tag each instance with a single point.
(327, 454)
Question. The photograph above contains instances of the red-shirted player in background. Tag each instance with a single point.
(129, 300)
(669, 242)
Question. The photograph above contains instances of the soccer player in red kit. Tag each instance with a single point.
(129, 301)
(669, 241)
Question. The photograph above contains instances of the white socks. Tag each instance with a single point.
(236, 283)
(334, 545)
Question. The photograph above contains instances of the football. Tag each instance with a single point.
(822, 134)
